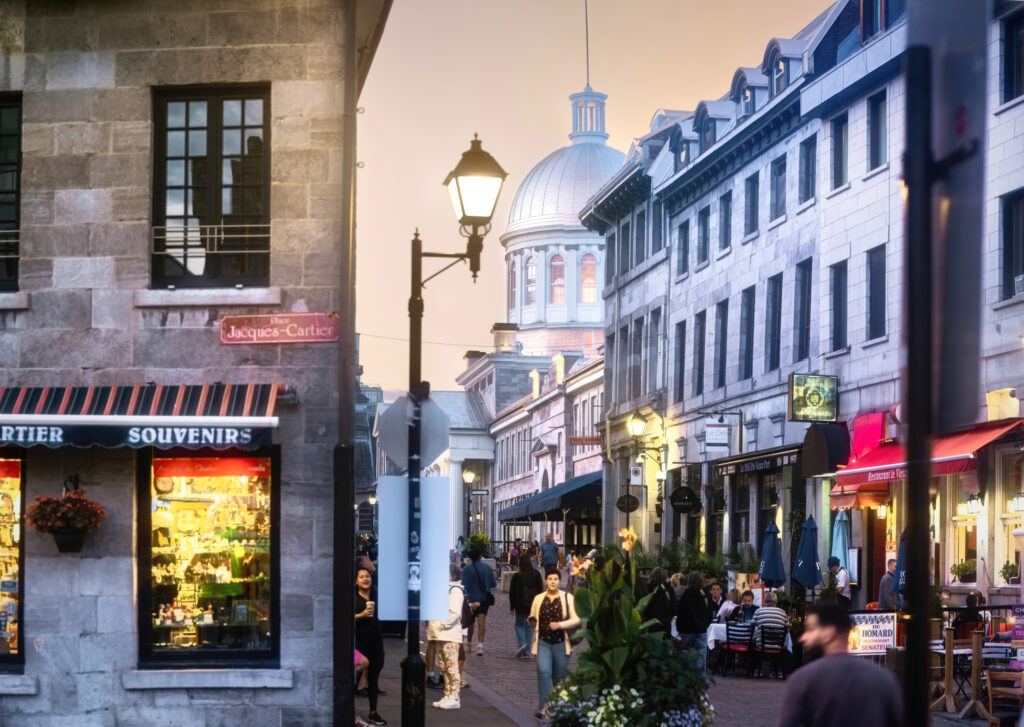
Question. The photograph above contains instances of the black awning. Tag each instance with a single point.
(578, 493)
(826, 447)
(766, 460)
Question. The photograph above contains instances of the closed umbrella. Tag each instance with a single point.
(772, 572)
(900, 577)
(807, 571)
(841, 539)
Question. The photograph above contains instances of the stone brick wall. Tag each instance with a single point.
(84, 315)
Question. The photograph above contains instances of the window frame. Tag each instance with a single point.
(512, 287)
(773, 323)
(808, 168)
(877, 130)
(700, 335)
(625, 246)
(530, 281)
(679, 369)
(640, 237)
(214, 96)
(877, 323)
(653, 350)
(778, 188)
(610, 257)
(747, 312)
(1011, 253)
(219, 658)
(683, 247)
(840, 126)
(778, 74)
(751, 190)
(839, 275)
(657, 221)
(10, 233)
(556, 284)
(725, 221)
(1012, 57)
(704, 235)
(802, 310)
(721, 342)
(588, 283)
(15, 663)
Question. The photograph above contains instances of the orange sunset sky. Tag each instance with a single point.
(504, 69)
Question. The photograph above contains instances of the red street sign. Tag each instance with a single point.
(584, 441)
(279, 328)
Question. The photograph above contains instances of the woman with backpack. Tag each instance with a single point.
(552, 615)
(526, 584)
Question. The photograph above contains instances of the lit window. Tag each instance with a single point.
(530, 293)
(588, 279)
(557, 267)
(11, 586)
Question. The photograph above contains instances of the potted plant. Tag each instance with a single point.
(1010, 572)
(966, 571)
(479, 543)
(69, 518)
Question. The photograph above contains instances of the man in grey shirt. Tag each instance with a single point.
(549, 552)
(837, 689)
(887, 600)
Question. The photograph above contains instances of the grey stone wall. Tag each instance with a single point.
(86, 71)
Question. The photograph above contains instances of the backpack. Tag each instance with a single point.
(466, 619)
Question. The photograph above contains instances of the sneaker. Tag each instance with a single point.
(375, 718)
(448, 704)
(479, 649)
(521, 650)
(434, 683)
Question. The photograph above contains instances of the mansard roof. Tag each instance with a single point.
(746, 77)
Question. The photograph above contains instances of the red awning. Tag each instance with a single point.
(950, 454)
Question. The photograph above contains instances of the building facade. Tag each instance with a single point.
(164, 169)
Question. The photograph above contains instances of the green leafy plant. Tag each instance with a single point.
(478, 543)
(1009, 570)
(74, 511)
(829, 594)
(965, 571)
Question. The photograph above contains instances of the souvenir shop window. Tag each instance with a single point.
(12, 655)
(208, 560)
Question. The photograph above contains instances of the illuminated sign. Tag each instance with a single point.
(813, 398)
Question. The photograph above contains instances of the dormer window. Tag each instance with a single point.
(746, 103)
(707, 135)
(779, 79)
(877, 16)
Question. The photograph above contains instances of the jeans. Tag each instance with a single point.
(698, 643)
(552, 661)
(524, 634)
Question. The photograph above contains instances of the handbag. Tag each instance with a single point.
(488, 596)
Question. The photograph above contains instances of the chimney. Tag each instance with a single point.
(504, 337)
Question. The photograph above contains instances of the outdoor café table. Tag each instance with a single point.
(716, 633)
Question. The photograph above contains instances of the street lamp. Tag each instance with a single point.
(636, 425)
(469, 476)
(473, 186)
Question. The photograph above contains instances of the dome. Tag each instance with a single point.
(556, 189)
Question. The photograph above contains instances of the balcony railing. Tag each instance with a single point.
(211, 255)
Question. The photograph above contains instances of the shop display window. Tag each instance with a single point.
(208, 560)
(1011, 467)
(739, 533)
(11, 587)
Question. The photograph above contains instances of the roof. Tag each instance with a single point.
(465, 409)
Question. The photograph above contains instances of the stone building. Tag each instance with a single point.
(165, 166)
(781, 212)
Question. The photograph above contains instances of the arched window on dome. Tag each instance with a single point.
(530, 289)
(557, 266)
(588, 279)
(512, 283)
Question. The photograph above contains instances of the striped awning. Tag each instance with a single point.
(193, 416)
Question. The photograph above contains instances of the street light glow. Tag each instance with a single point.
(474, 185)
(636, 425)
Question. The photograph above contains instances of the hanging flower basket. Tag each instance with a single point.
(69, 518)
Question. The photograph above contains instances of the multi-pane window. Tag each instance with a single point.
(656, 231)
(653, 349)
(556, 269)
(1013, 56)
(636, 360)
(703, 234)
(530, 288)
(840, 151)
(1013, 244)
(773, 323)
(609, 259)
(707, 135)
(746, 102)
(10, 190)
(622, 369)
(751, 190)
(512, 283)
(640, 238)
(779, 79)
(747, 333)
(876, 292)
(725, 221)
(739, 528)
(808, 167)
(802, 312)
(625, 239)
(699, 342)
(876, 131)
(870, 18)
(683, 248)
(211, 207)
(679, 367)
(208, 560)
(778, 191)
(721, 340)
(588, 278)
(12, 588)
(838, 282)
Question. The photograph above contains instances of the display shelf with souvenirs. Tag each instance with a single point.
(210, 554)
(10, 552)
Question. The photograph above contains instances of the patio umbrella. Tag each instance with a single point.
(807, 571)
(841, 539)
(772, 572)
(900, 576)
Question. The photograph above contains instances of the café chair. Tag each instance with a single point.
(1003, 707)
(769, 645)
(737, 643)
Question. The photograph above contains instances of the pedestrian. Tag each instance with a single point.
(552, 615)
(769, 615)
(513, 552)
(970, 614)
(549, 552)
(834, 688)
(447, 636)
(478, 580)
(460, 548)
(887, 598)
(535, 553)
(693, 618)
(842, 582)
(662, 606)
(678, 584)
(369, 639)
(526, 585)
(729, 606)
(714, 592)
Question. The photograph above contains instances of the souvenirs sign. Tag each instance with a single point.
(118, 435)
(279, 328)
(813, 398)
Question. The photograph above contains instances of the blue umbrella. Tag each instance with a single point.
(807, 571)
(841, 539)
(772, 572)
(900, 577)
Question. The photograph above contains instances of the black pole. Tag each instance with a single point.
(917, 384)
(414, 671)
(343, 586)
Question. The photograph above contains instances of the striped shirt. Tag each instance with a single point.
(771, 616)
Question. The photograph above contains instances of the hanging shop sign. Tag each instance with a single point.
(766, 463)
(627, 503)
(716, 434)
(161, 437)
(872, 633)
(584, 441)
(813, 398)
(684, 500)
(279, 328)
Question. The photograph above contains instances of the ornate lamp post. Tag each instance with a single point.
(473, 186)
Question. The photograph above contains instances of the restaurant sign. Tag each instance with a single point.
(1017, 638)
(813, 398)
(279, 328)
(872, 633)
(161, 437)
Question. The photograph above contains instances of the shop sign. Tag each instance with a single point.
(716, 435)
(872, 633)
(279, 328)
(212, 467)
(10, 468)
(627, 503)
(813, 398)
(684, 500)
(1017, 638)
(768, 463)
(86, 435)
(584, 441)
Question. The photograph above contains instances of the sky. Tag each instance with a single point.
(504, 69)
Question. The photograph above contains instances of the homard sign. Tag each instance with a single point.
(161, 437)
(813, 398)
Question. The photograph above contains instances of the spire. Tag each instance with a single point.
(588, 105)
(586, 30)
